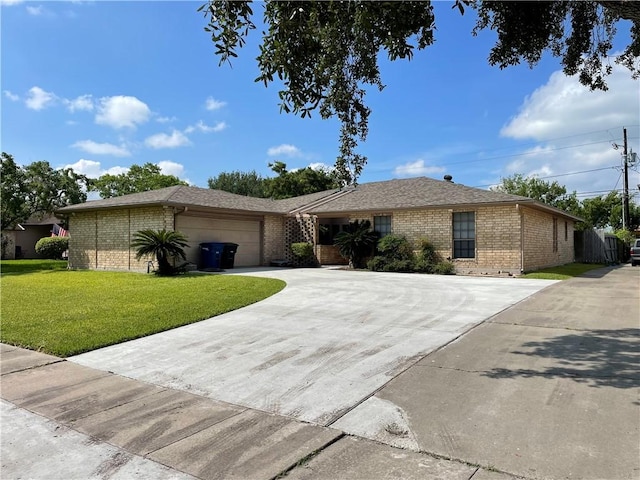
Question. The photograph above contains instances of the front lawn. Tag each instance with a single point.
(64, 312)
(563, 272)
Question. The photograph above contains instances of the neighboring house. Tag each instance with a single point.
(21, 241)
(479, 230)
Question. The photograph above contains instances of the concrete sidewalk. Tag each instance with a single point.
(546, 389)
(65, 421)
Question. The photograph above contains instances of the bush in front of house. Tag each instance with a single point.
(395, 247)
(52, 247)
(444, 268)
(303, 253)
(396, 255)
(428, 258)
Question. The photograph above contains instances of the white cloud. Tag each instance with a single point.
(417, 168)
(564, 107)
(83, 102)
(11, 96)
(202, 127)
(322, 167)
(8, 3)
(166, 119)
(122, 111)
(576, 128)
(213, 104)
(162, 140)
(93, 169)
(39, 99)
(167, 167)
(35, 10)
(284, 150)
(95, 148)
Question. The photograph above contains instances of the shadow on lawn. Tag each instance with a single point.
(599, 358)
(21, 267)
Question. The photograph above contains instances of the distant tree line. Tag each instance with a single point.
(39, 189)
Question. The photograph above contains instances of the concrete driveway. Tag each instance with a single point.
(319, 348)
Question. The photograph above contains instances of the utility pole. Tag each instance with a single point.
(625, 198)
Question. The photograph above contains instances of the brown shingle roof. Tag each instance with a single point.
(403, 194)
(420, 192)
(184, 196)
(412, 193)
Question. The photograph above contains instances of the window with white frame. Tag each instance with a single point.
(382, 224)
(464, 234)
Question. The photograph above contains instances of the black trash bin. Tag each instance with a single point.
(211, 255)
(228, 255)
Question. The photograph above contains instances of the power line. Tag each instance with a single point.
(579, 194)
(523, 154)
(561, 175)
(542, 142)
(576, 173)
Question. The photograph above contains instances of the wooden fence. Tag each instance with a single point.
(596, 246)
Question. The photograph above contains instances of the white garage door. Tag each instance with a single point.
(246, 233)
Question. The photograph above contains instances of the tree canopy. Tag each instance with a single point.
(598, 212)
(298, 182)
(324, 53)
(137, 179)
(606, 211)
(286, 184)
(36, 189)
(249, 184)
(551, 193)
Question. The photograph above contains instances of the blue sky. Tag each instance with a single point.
(100, 86)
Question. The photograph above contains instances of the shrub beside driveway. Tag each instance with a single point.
(50, 309)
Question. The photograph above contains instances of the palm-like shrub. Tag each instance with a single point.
(163, 244)
(356, 242)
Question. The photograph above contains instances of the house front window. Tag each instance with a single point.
(464, 235)
(382, 225)
(329, 228)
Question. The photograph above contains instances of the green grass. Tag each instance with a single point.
(563, 272)
(28, 266)
(65, 312)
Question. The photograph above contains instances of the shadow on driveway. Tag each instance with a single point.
(599, 358)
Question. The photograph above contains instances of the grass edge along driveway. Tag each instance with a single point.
(67, 312)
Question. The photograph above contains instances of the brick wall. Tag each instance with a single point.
(498, 239)
(273, 239)
(539, 242)
(101, 240)
(330, 255)
(497, 235)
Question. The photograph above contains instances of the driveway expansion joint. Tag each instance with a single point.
(33, 367)
(307, 458)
